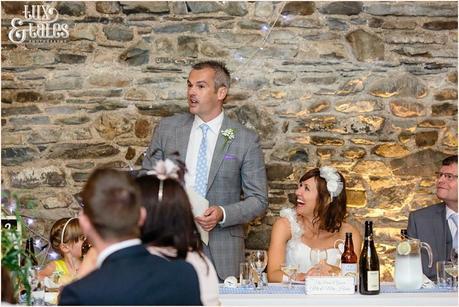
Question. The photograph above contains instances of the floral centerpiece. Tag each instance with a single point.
(13, 255)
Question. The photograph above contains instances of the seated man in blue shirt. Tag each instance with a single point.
(437, 224)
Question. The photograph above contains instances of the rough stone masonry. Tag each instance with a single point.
(367, 87)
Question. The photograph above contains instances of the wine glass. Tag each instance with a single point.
(258, 261)
(289, 270)
(453, 255)
(451, 267)
(318, 259)
(37, 286)
(318, 256)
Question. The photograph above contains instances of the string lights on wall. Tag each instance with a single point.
(265, 28)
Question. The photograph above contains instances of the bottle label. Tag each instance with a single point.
(373, 280)
(349, 269)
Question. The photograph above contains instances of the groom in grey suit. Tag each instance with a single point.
(224, 160)
(437, 224)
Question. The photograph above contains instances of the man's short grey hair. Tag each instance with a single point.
(222, 75)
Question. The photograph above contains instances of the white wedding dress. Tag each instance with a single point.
(299, 253)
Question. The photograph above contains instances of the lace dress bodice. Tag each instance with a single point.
(299, 253)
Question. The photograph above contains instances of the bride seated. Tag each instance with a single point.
(317, 223)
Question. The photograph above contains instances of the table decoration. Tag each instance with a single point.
(329, 285)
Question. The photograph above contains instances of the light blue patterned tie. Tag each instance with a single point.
(453, 217)
(201, 166)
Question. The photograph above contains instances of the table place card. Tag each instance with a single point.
(329, 285)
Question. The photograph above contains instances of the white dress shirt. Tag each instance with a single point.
(194, 143)
(114, 248)
(452, 226)
(192, 151)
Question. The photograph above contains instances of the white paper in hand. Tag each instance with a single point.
(199, 205)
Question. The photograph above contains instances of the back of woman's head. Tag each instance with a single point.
(65, 230)
(329, 212)
(169, 221)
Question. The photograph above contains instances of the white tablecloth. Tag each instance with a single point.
(382, 299)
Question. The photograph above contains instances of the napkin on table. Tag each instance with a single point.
(427, 283)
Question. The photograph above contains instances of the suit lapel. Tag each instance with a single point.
(440, 229)
(219, 152)
(182, 136)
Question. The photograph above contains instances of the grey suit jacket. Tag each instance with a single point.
(429, 225)
(237, 167)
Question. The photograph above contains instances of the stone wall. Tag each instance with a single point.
(367, 87)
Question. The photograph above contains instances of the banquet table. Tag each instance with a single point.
(277, 294)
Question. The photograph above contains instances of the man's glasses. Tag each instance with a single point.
(448, 176)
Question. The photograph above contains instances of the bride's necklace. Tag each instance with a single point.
(308, 226)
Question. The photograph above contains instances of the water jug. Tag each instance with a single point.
(408, 266)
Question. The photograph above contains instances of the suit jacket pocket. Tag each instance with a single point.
(238, 231)
(230, 168)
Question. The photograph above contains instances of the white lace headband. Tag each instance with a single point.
(65, 226)
(334, 183)
(164, 169)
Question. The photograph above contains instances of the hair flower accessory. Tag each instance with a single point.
(165, 169)
(229, 134)
(331, 176)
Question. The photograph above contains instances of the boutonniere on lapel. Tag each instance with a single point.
(229, 135)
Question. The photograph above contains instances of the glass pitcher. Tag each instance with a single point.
(408, 266)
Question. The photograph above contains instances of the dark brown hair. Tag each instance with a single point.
(170, 222)
(112, 203)
(449, 160)
(7, 287)
(222, 76)
(329, 215)
(72, 233)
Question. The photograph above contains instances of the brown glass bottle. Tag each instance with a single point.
(369, 264)
(349, 259)
(403, 234)
(30, 252)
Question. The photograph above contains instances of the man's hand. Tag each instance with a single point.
(211, 217)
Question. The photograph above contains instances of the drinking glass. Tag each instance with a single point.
(38, 288)
(453, 256)
(451, 267)
(244, 275)
(443, 279)
(289, 270)
(258, 261)
(318, 256)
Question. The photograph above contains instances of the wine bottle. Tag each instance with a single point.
(349, 259)
(30, 252)
(369, 264)
(403, 234)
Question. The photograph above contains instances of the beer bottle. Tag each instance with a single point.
(403, 234)
(349, 259)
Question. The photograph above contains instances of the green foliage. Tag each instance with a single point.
(12, 252)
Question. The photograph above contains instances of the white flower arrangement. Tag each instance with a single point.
(229, 134)
(331, 176)
(165, 169)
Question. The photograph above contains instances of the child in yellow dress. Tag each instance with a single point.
(66, 238)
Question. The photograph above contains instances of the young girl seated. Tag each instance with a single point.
(66, 238)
